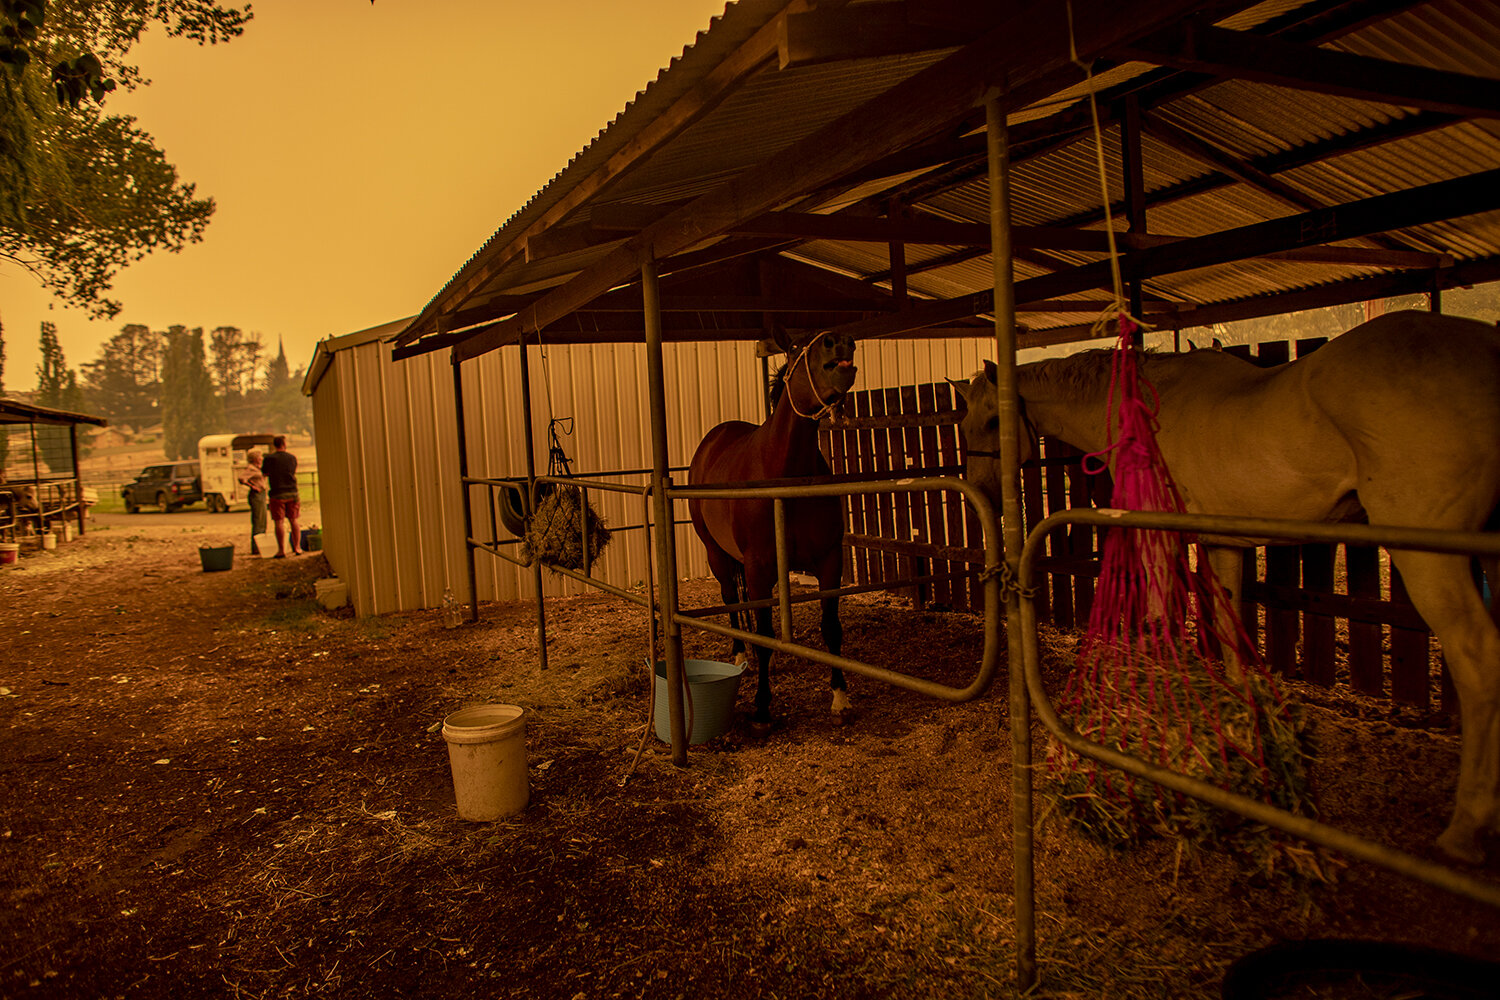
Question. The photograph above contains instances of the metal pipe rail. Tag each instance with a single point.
(993, 560)
(989, 664)
(1424, 539)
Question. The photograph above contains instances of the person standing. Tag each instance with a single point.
(280, 468)
(254, 482)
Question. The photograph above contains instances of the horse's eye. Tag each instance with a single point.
(828, 341)
(992, 424)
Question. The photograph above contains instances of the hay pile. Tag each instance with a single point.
(1239, 734)
(555, 532)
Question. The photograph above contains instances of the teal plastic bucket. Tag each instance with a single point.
(711, 690)
(216, 557)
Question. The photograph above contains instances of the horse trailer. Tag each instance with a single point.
(220, 457)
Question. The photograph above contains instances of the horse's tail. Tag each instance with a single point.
(739, 585)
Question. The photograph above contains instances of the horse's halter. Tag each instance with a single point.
(1031, 434)
(807, 367)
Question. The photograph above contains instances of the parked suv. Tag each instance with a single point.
(168, 487)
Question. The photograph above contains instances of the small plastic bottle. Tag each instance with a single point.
(452, 615)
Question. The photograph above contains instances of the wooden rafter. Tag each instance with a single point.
(1243, 55)
(1311, 24)
(885, 28)
(1433, 202)
(1275, 303)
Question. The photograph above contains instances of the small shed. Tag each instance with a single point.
(39, 479)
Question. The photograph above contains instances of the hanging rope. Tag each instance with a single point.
(556, 531)
(1150, 678)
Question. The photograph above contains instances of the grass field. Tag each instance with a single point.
(110, 501)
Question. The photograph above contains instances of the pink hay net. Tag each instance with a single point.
(1149, 679)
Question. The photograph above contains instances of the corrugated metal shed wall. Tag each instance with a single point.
(388, 449)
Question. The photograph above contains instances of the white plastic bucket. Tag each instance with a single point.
(49, 540)
(264, 545)
(487, 754)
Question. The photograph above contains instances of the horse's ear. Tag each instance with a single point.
(1218, 344)
(1192, 346)
(783, 340)
(992, 373)
(962, 388)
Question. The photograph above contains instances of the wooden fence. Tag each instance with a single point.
(1329, 615)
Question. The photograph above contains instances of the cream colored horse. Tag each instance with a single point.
(1400, 416)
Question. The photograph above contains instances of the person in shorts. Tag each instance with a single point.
(280, 468)
(254, 481)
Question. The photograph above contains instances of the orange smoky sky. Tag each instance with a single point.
(358, 155)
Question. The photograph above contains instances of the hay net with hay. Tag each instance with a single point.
(555, 532)
(1149, 679)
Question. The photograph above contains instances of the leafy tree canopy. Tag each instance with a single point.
(83, 193)
(189, 407)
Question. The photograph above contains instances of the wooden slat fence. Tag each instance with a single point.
(1329, 615)
(913, 431)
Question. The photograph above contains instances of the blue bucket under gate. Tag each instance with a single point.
(708, 703)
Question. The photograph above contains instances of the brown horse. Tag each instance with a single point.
(1398, 418)
(740, 535)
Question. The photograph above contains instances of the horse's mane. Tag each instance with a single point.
(776, 384)
(1083, 373)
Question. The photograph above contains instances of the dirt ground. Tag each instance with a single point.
(212, 787)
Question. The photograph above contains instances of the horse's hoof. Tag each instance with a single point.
(843, 716)
(761, 729)
(1461, 846)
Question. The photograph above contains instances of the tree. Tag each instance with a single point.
(82, 193)
(235, 356)
(51, 374)
(57, 387)
(189, 407)
(124, 381)
(286, 409)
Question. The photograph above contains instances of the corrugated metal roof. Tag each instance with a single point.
(1217, 153)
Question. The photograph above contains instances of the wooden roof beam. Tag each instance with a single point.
(870, 30)
(1312, 23)
(1242, 55)
(1378, 286)
(1275, 163)
(1443, 200)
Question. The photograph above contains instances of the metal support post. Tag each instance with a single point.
(463, 476)
(1012, 531)
(77, 478)
(783, 568)
(666, 534)
(536, 564)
